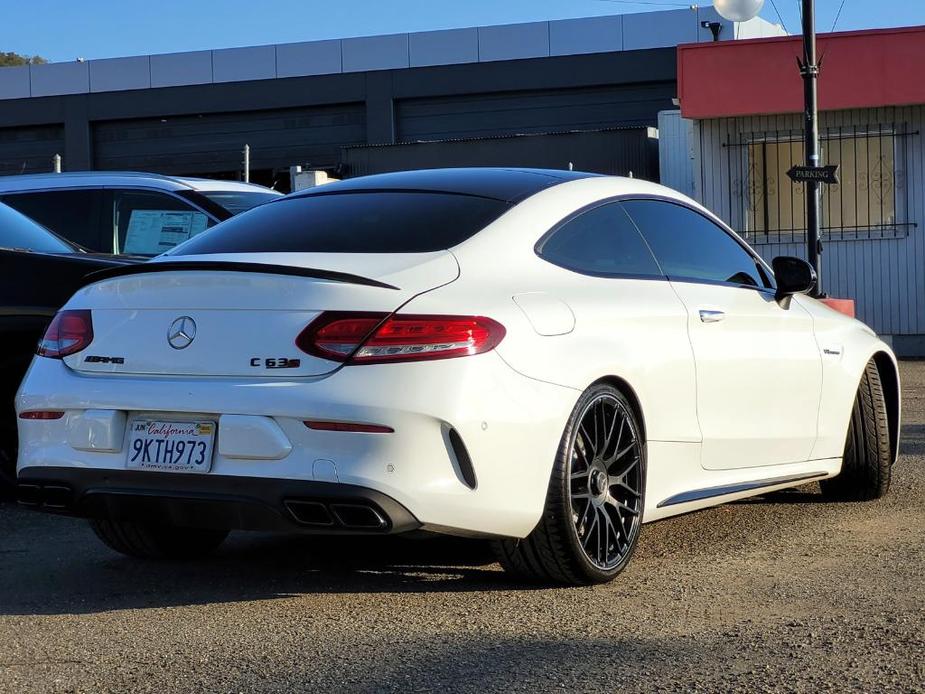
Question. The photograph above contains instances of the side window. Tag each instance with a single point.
(149, 223)
(601, 241)
(692, 247)
(73, 214)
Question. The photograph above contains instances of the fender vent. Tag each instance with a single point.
(462, 459)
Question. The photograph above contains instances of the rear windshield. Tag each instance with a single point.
(18, 232)
(237, 201)
(373, 222)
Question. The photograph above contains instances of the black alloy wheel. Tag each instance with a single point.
(595, 500)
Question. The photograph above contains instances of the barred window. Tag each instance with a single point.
(868, 202)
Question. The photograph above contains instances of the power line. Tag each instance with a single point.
(648, 2)
(838, 14)
(782, 22)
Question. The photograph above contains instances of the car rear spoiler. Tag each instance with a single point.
(231, 266)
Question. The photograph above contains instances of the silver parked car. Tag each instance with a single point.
(126, 212)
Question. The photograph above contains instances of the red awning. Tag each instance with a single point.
(860, 69)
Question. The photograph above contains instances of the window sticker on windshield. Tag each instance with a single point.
(156, 231)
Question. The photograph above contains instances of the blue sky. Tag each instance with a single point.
(65, 29)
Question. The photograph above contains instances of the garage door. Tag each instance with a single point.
(510, 113)
(30, 150)
(214, 142)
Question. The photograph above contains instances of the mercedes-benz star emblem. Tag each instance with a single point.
(181, 332)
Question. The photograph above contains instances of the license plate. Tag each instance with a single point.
(171, 446)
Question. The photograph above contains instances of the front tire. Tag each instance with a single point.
(867, 464)
(146, 541)
(594, 503)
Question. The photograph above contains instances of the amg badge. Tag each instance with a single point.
(94, 359)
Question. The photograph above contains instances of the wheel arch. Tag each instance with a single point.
(624, 387)
(889, 379)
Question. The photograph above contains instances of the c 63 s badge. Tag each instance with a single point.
(276, 362)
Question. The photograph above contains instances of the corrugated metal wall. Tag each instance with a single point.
(539, 111)
(616, 152)
(214, 142)
(675, 156)
(885, 276)
(30, 149)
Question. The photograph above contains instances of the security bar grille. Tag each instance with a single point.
(871, 200)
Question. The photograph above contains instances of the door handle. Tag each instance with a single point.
(711, 316)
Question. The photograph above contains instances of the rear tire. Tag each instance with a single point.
(146, 541)
(594, 503)
(868, 462)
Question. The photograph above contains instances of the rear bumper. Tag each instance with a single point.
(509, 425)
(213, 501)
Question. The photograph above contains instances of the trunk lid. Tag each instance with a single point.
(222, 315)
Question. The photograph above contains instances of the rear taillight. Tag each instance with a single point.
(375, 338)
(68, 332)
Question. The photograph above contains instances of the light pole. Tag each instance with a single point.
(811, 173)
(809, 68)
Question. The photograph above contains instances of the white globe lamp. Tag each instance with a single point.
(738, 10)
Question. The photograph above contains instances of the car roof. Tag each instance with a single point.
(506, 184)
(83, 179)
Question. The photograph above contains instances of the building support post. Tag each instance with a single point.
(809, 68)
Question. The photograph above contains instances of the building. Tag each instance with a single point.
(740, 129)
(301, 104)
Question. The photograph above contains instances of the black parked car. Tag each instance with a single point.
(39, 271)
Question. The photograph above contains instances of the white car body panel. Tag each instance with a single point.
(725, 425)
(240, 315)
(749, 362)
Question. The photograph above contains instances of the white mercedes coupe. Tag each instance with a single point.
(548, 359)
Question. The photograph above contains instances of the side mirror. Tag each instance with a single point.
(793, 275)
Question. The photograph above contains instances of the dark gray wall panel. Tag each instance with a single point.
(30, 149)
(214, 142)
(616, 152)
(537, 111)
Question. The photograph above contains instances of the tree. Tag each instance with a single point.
(10, 59)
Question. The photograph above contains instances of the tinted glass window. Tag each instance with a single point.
(149, 223)
(690, 246)
(237, 201)
(73, 214)
(378, 222)
(19, 232)
(601, 241)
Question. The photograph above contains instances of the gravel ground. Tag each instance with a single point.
(782, 593)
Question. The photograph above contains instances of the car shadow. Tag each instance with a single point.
(912, 439)
(500, 663)
(68, 571)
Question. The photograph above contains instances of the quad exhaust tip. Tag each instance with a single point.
(50, 496)
(351, 516)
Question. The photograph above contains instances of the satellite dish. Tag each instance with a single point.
(738, 10)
